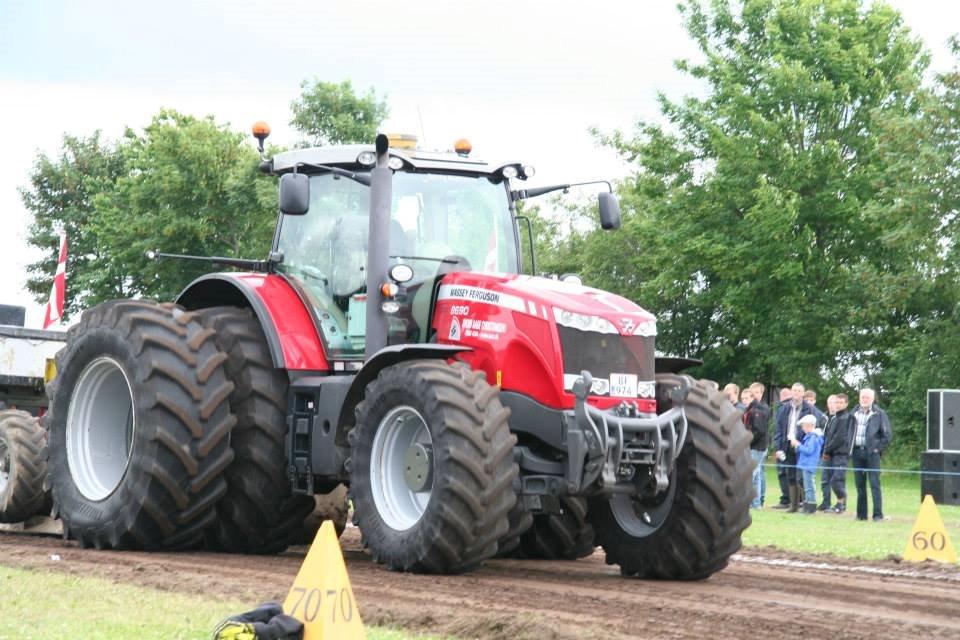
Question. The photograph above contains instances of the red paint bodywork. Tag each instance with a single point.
(525, 348)
(302, 348)
(527, 353)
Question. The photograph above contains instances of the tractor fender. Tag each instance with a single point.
(285, 317)
(386, 357)
(675, 364)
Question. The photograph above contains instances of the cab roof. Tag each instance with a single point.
(418, 159)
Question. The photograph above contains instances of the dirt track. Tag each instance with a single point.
(761, 594)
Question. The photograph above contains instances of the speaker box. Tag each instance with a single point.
(943, 420)
(12, 315)
(940, 476)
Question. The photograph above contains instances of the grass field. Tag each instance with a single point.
(843, 535)
(38, 605)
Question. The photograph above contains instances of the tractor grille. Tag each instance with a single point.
(603, 353)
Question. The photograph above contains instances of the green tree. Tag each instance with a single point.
(60, 197)
(182, 185)
(927, 350)
(331, 113)
(190, 186)
(764, 222)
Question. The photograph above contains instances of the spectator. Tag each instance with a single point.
(757, 389)
(732, 392)
(871, 437)
(825, 468)
(788, 416)
(808, 447)
(810, 397)
(836, 446)
(756, 418)
(785, 396)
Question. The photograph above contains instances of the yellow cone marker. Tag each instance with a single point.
(321, 596)
(929, 539)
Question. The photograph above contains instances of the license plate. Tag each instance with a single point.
(623, 385)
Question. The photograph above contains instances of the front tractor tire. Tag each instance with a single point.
(432, 468)
(22, 467)
(139, 427)
(689, 531)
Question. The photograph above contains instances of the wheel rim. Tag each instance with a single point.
(100, 428)
(641, 518)
(401, 436)
(4, 464)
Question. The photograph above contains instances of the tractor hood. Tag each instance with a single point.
(540, 296)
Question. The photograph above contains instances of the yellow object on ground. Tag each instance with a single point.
(929, 540)
(321, 596)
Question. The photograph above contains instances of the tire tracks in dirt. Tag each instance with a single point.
(521, 599)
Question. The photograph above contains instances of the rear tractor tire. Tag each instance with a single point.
(432, 468)
(23, 469)
(258, 513)
(139, 427)
(519, 521)
(559, 536)
(689, 531)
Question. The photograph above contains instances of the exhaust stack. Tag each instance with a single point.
(378, 247)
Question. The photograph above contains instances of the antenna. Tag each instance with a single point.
(423, 133)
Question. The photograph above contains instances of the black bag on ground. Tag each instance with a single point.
(266, 622)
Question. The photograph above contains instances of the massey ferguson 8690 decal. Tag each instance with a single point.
(476, 294)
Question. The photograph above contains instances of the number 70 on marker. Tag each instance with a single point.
(309, 602)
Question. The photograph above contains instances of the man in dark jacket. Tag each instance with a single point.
(787, 429)
(756, 418)
(871, 437)
(836, 449)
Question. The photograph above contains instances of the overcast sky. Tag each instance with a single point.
(522, 80)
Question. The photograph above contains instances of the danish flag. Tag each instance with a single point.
(55, 304)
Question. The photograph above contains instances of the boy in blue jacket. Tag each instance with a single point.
(808, 458)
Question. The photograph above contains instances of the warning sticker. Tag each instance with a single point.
(454, 329)
(484, 329)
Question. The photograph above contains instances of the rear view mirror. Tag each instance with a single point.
(294, 194)
(609, 211)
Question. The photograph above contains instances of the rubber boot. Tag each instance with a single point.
(809, 508)
(794, 499)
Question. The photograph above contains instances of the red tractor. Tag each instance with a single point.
(389, 342)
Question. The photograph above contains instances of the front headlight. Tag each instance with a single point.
(582, 322)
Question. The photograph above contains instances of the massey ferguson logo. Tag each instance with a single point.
(628, 325)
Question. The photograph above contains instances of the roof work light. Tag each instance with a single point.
(462, 147)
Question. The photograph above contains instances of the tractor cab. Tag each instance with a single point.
(448, 212)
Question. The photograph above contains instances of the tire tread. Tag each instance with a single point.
(24, 495)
